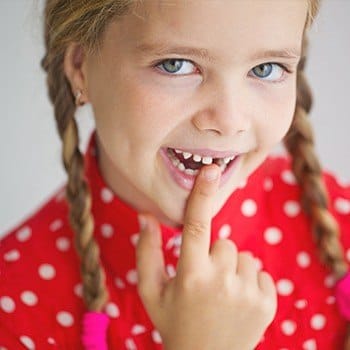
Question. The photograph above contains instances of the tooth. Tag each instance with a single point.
(227, 160)
(197, 158)
(232, 157)
(223, 167)
(178, 151)
(181, 166)
(189, 171)
(187, 155)
(175, 162)
(195, 172)
(207, 160)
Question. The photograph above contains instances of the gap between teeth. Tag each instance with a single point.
(197, 158)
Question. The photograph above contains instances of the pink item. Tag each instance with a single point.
(342, 294)
(94, 332)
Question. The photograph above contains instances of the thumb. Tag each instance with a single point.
(150, 261)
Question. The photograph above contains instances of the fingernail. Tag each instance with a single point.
(210, 174)
(142, 222)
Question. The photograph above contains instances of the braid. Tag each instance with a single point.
(299, 141)
(77, 192)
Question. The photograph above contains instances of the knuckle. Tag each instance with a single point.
(196, 228)
(225, 245)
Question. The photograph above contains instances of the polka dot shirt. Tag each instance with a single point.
(41, 303)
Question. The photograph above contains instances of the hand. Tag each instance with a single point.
(218, 298)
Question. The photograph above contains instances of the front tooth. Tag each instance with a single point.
(227, 160)
(197, 158)
(187, 155)
(181, 167)
(178, 151)
(207, 160)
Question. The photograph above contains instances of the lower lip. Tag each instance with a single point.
(187, 181)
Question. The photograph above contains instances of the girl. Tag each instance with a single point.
(190, 235)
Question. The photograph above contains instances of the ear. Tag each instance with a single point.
(74, 66)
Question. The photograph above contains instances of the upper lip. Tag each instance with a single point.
(206, 152)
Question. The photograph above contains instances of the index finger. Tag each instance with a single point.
(198, 215)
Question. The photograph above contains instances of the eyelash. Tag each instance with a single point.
(285, 69)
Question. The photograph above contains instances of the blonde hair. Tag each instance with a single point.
(84, 22)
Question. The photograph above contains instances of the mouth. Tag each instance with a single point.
(184, 166)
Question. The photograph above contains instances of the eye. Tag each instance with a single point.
(174, 66)
(269, 71)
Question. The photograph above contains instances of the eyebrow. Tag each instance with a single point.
(161, 49)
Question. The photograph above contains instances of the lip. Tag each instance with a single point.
(205, 152)
(186, 181)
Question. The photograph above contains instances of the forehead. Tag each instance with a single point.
(218, 26)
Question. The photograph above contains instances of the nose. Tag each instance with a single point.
(226, 111)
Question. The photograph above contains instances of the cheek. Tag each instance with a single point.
(278, 116)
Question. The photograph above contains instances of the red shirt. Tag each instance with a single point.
(40, 286)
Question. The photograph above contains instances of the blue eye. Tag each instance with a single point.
(269, 71)
(173, 66)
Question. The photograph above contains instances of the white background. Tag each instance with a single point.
(30, 150)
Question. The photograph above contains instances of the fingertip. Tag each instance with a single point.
(210, 173)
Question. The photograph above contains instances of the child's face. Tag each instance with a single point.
(201, 104)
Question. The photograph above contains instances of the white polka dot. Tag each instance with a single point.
(51, 341)
(12, 255)
(329, 281)
(29, 298)
(56, 225)
(177, 251)
(178, 240)
(288, 327)
(119, 283)
(156, 337)
(342, 206)
(130, 344)
(106, 195)
(291, 208)
(78, 290)
(24, 234)
(318, 322)
(138, 329)
(171, 270)
(273, 235)
(330, 300)
(27, 342)
(65, 319)
(225, 231)
(303, 259)
(134, 239)
(268, 185)
(309, 344)
(112, 310)
(7, 304)
(288, 177)
(248, 207)
(300, 304)
(62, 244)
(107, 230)
(348, 255)
(47, 271)
(131, 276)
(284, 287)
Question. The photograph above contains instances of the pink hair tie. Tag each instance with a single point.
(94, 332)
(342, 294)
